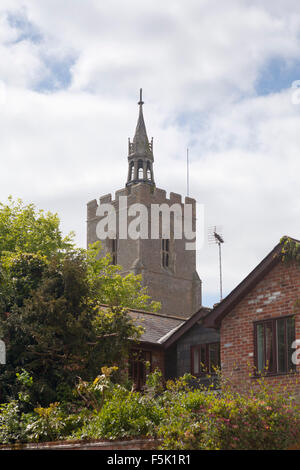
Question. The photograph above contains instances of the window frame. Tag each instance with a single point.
(165, 253)
(207, 363)
(275, 368)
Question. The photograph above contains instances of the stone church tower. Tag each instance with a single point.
(168, 269)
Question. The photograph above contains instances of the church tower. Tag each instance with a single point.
(144, 237)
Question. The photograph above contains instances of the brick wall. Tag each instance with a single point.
(132, 444)
(272, 297)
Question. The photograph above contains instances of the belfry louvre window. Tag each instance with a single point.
(148, 171)
(272, 345)
(165, 253)
(205, 358)
(131, 171)
(140, 170)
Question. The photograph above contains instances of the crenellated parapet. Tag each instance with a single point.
(138, 193)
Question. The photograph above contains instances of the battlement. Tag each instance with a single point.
(143, 194)
(106, 199)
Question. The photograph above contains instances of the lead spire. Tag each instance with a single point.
(140, 140)
(140, 152)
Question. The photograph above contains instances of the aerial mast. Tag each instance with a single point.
(214, 236)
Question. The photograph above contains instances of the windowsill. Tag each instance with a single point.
(275, 374)
(207, 375)
(168, 269)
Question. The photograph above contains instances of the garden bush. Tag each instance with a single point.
(261, 419)
(125, 414)
(181, 416)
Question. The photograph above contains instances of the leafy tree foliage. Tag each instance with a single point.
(63, 310)
(25, 229)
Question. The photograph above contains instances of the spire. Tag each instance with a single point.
(140, 152)
(140, 140)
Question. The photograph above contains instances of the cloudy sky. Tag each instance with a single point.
(217, 78)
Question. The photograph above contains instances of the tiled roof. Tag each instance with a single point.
(157, 327)
(160, 329)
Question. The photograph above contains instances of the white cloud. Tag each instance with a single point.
(199, 63)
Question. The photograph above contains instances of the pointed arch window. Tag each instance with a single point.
(131, 171)
(165, 253)
(148, 172)
(140, 170)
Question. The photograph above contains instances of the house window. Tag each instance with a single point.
(138, 367)
(165, 253)
(205, 358)
(114, 250)
(273, 340)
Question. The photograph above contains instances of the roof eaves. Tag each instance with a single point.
(185, 326)
(167, 335)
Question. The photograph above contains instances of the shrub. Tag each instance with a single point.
(263, 419)
(10, 428)
(125, 414)
(181, 416)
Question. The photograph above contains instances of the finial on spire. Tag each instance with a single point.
(141, 102)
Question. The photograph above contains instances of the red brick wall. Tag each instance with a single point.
(272, 297)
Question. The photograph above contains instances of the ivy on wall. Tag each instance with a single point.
(290, 250)
(291, 253)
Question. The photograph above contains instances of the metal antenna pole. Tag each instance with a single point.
(220, 262)
(214, 236)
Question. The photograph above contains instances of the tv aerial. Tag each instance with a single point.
(215, 237)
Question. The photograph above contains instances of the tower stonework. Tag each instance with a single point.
(168, 269)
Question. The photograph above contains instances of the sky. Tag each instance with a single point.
(218, 78)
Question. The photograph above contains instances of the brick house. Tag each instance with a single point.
(259, 321)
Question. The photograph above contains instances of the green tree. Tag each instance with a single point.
(63, 310)
(24, 228)
(58, 327)
(35, 236)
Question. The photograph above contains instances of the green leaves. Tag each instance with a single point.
(111, 288)
(181, 417)
(63, 310)
(290, 250)
(25, 229)
(264, 418)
